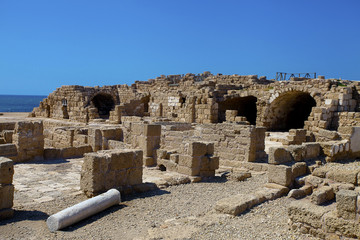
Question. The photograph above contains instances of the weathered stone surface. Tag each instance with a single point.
(108, 169)
(300, 193)
(306, 212)
(240, 176)
(312, 150)
(279, 155)
(297, 152)
(6, 196)
(344, 176)
(322, 195)
(347, 228)
(320, 172)
(237, 204)
(6, 170)
(29, 140)
(299, 169)
(346, 202)
(313, 181)
(280, 174)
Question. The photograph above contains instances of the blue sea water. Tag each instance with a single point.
(19, 103)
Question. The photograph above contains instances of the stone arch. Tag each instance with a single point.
(289, 110)
(104, 103)
(246, 107)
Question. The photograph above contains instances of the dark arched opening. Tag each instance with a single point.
(290, 111)
(104, 103)
(246, 107)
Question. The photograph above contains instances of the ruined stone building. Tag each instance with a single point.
(192, 124)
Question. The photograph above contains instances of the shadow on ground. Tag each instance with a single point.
(93, 218)
(23, 215)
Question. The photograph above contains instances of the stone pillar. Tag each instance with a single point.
(198, 160)
(115, 116)
(151, 142)
(6, 188)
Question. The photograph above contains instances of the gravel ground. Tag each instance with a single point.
(177, 212)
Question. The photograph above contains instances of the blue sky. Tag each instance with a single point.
(46, 44)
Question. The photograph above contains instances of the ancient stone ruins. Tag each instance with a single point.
(194, 124)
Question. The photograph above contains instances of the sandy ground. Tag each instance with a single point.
(184, 211)
(13, 116)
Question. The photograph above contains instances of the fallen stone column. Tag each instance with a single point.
(83, 210)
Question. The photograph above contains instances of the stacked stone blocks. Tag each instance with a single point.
(6, 188)
(108, 169)
(197, 160)
(29, 140)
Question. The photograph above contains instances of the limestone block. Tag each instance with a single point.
(240, 176)
(6, 213)
(6, 196)
(301, 192)
(346, 202)
(237, 204)
(213, 163)
(322, 195)
(344, 227)
(188, 171)
(149, 161)
(297, 152)
(299, 169)
(8, 135)
(280, 174)
(281, 190)
(196, 148)
(306, 212)
(343, 176)
(312, 150)
(6, 170)
(8, 150)
(313, 181)
(355, 140)
(152, 130)
(207, 173)
(278, 155)
(320, 172)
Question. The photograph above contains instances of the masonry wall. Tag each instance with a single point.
(108, 169)
(196, 160)
(233, 143)
(29, 140)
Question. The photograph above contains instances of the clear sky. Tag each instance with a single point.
(45, 44)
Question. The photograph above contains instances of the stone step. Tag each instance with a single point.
(235, 205)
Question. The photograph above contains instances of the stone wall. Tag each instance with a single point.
(331, 211)
(196, 99)
(198, 160)
(233, 143)
(29, 140)
(145, 137)
(108, 169)
(6, 188)
(6, 132)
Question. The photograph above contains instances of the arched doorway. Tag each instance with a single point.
(104, 103)
(290, 110)
(246, 107)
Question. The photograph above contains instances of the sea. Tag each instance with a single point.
(19, 103)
